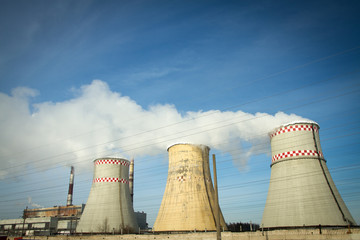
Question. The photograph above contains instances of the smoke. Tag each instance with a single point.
(98, 122)
(32, 204)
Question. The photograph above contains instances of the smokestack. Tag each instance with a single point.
(109, 208)
(71, 186)
(131, 180)
(301, 190)
(189, 200)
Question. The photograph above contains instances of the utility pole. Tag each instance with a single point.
(217, 209)
(24, 217)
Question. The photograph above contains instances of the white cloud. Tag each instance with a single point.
(154, 73)
(98, 122)
(24, 92)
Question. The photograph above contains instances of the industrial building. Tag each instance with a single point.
(301, 191)
(64, 219)
(46, 221)
(188, 203)
(29, 226)
(141, 220)
(56, 211)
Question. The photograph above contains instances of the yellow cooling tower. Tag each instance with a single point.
(189, 200)
(301, 191)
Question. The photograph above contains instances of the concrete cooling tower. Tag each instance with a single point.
(189, 200)
(109, 208)
(301, 191)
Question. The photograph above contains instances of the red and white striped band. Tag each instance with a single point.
(292, 128)
(112, 161)
(110, 179)
(296, 154)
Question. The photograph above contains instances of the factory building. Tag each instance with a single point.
(50, 221)
(109, 208)
(188, 203)
(46, 221)
(141, 220)
(56, 211)
(31, 226)
(64, 219)
(301, 191)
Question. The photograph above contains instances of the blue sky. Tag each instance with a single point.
(86, 79)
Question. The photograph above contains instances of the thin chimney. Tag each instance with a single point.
(71, 186)
(131, 179)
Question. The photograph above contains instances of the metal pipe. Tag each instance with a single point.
(217, 210)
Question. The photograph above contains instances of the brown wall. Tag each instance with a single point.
(54, 211)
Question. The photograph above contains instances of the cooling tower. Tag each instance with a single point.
(189, 200)
(109, 208)
(301, 191)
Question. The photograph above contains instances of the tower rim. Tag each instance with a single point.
(187, 143)
(114, 158)
(293, 123)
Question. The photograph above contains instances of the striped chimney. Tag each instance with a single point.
(131, 180)
(71, 187)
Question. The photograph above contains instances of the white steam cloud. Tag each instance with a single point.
(32, 204)
(99, 122)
